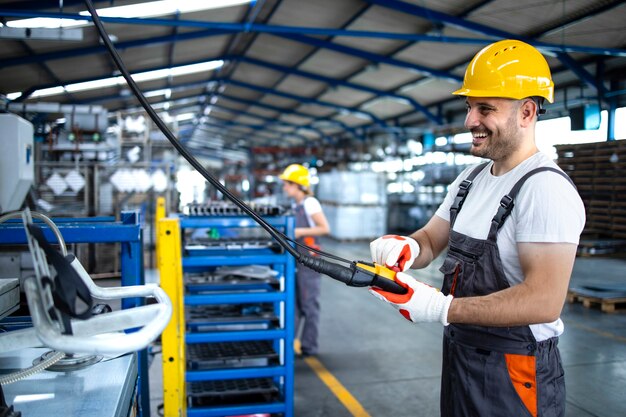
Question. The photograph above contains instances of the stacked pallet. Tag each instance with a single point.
(610, 298)
(598, 170)
(355, 204)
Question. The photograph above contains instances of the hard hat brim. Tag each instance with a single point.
(467, 92)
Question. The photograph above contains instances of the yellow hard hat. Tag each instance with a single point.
(508, 69)
(298, 174)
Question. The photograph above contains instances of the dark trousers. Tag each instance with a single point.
(308, 307)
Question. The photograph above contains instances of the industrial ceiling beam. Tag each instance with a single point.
(269, 120)
(263, 135)
(241, 43)
(434, 15)
(202, 101)
(227, 27)
(182, 87)
(192, 85)
(337, 82)
(314, 119)
(370, 56)
(97, 49)
(342, 109)
(258, 128)
(306, 56)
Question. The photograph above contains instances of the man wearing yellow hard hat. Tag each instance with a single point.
(310, 223)
(511, 227)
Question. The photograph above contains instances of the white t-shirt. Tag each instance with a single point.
(547, 209)
(311, 206)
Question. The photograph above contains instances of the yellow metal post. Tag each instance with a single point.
(169, 258)
(159, 214)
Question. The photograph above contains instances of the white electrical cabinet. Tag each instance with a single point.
(16, 161)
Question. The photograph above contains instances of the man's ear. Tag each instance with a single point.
(528, 111)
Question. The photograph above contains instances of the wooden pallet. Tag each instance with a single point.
(609, 301)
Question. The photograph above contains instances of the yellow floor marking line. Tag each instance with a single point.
(342, 394)
(600, 332)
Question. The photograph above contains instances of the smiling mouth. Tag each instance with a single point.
(479, 137)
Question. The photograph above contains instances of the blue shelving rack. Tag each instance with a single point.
(282, 299)
(126, 231)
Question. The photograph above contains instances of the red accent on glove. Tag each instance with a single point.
(397, 298)
(406, 314)
(404, 256)
(393, 237)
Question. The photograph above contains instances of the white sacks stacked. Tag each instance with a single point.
(355, 204)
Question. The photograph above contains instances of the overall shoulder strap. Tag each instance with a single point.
(508, 201)
(464, 187)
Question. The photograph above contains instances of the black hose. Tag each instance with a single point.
(179, 147)
(351, 275)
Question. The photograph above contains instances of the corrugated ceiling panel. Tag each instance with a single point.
(384, 77)
(199, 49)
(19, 78)
(345, 96)
(278, 101)
(231, 104)
(277, 50)
(240, 92)
(608, 30)
(507, 15)
(131, 32)
(248, 120)
(332, 64)
(295, 119)
(315, 110)
(352, 121)
(262, 111)
(80, 68)
(224, 14)
(318, 13)
(431, 90)
(11, 49)
(221, 115)
(253, 74)
(381, 19)
(440, 55)
(190, 92)
(386, 107)
(301, 86)
(453, 7)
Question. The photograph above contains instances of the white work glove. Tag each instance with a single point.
(394, 250)
(421, 303)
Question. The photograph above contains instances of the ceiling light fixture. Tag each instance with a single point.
(113, 81)
(149, 9)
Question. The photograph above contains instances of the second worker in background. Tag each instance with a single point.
(310, 223)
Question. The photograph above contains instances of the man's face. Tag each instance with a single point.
(493, 123)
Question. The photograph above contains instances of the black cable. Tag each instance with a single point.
(280, 237)
(351, 275)
(318, 251)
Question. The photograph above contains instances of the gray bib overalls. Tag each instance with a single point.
(493, 371)
(308, 289)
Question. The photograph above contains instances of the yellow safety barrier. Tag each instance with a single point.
(173, 344)
(159, 214)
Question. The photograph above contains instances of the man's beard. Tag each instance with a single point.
(500, 146)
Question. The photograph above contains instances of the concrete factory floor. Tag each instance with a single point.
(385, 366)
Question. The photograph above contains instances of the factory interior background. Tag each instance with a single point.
(131, 285)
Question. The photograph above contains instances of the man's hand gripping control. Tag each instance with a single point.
(421, 303)
(395, 252)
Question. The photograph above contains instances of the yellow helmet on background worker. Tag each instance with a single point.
(508, 69)
(298, 174)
